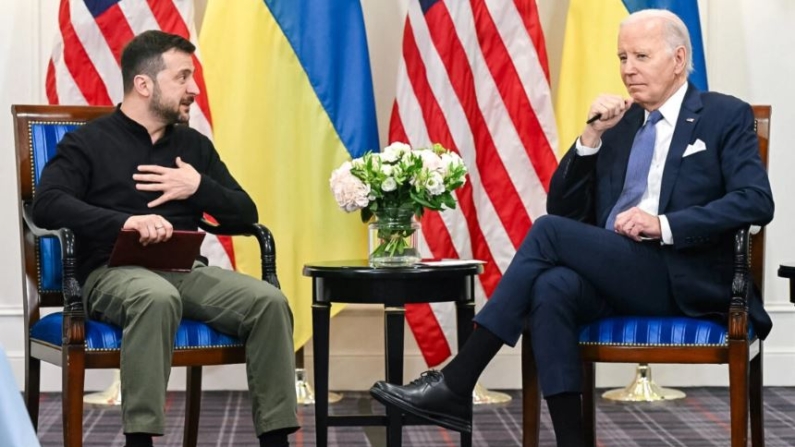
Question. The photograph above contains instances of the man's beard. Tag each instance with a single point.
(167, 113)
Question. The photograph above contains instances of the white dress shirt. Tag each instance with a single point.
(650, 202)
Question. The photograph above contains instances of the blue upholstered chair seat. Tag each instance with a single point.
(656, 331)
(107, 337)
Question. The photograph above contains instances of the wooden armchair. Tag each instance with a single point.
(67, 338)
(733, 342)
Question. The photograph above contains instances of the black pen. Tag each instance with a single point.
(593, 118)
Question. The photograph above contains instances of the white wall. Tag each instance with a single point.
(748, 44)
(20, 62)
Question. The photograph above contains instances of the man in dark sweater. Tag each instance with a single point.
(137, 169)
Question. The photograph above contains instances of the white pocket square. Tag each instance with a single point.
(694, 148)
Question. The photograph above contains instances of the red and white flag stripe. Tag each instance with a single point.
(474, 77)
(85, 64)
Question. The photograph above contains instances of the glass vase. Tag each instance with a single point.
(394, 238)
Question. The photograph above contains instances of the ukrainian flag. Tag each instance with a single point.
(291, 99)
(589, 64)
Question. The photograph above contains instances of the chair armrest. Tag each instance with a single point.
(27, 216)
(267, 245)
(788, 271)
(73, 329)
(73, 301)
(741, 285)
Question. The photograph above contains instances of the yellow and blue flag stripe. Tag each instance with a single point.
(291, 98)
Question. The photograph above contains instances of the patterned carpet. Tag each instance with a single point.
(700, 420)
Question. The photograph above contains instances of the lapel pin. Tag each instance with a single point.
(690, 120)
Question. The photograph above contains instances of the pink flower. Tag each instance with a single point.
(431, 161)
(350, 193)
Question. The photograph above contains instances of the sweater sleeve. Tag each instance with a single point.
(220, 195)
(59, 196)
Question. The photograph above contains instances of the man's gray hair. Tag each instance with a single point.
(674, 30)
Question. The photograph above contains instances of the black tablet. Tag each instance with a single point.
(176, 254)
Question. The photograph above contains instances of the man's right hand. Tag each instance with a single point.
(612, 109)
(151, 227)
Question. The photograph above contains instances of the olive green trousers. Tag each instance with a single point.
(148, 306)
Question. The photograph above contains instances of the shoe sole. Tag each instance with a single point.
(442, 420)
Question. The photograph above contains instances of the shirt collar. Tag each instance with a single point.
(671, 108)
(137, 128)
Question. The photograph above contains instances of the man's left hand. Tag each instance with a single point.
(175, 183)
(636, 224)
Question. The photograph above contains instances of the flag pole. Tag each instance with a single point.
(483, 396)
(109, 397)
(303, 389)
(643, 389)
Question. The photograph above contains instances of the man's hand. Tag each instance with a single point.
(635, 223)
(611, 108)
(175, 183)
(151, 227)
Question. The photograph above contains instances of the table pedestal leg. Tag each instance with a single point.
(393, 358)
(321, 312)
(465, 312)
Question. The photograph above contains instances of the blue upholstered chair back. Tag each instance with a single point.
(44, 138)
(37, 131)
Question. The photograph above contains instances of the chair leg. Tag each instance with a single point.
(193, 401)
(32, 387)
(73, 376)
(531, 395)
(757, 402)
(589, 404)
(738, 389)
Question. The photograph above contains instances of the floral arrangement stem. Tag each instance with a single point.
(393, 239)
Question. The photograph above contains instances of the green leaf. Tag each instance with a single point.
(421, 200)
(449, 201)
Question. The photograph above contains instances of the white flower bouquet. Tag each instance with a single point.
(396, 184)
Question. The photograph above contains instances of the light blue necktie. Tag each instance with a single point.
(637, 169)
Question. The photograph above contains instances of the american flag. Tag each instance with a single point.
(474, 77)
(85, 65)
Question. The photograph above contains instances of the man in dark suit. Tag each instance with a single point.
(642, 212)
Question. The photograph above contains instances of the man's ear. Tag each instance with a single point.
(680, 58)
(143, 85)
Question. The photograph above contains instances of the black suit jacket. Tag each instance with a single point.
(706, 195)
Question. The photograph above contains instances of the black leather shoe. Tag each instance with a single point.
(429, 398)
